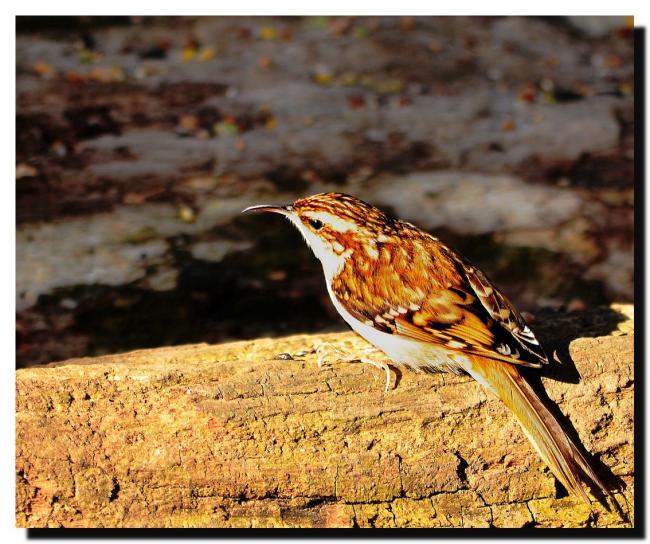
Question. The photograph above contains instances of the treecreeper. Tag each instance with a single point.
(430, 309)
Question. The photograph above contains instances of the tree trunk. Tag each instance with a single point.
(243, 435)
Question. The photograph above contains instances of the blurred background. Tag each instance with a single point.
(140, 139)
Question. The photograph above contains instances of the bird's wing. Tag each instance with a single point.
(464, 313)
(501, 310)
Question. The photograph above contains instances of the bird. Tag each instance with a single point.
(428, 308)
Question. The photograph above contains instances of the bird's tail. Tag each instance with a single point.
(551, 441)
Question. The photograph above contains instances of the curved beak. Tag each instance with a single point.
(283, 210)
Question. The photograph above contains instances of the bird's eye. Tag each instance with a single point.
(316, 224)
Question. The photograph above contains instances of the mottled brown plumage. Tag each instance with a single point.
(442, 297)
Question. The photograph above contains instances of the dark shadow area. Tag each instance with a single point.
(556, 329)
(271, 287)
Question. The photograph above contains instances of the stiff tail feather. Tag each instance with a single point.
(554, 445)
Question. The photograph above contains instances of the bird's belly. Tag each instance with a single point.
(403, 351)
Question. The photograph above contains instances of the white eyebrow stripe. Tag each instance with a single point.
(334, 222)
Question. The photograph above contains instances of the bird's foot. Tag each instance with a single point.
(327, 352)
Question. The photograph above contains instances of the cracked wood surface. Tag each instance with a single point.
(240, 435)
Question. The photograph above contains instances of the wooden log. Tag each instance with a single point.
(242, 435)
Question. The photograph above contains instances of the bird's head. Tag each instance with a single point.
(336, 226)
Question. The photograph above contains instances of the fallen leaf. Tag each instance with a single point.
(43, 69)
(100, 74)
(117, 73)
(202, 183)
(406, 22)
(576, 305)
(207, 53)
(348, 78)
(134, 198)
(271, 122)
(25, 170)
(323, 77)
(188, 122)
(286, 35)
(339, 25)
(268, 33)
(356, 102)
(226, 127)
(87, 57)
(192, 43)
(360, 32)
(612, 60)
(188, 54)
(403, 100)
(389, 86)
(73, 77)
(626, 89)
(528, 93)
(277, 275)
(435, 45)
(186, 214)
(264, 62)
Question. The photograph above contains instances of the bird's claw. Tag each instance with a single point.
(326, 351)
(382, 365)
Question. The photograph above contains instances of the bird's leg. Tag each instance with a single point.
(326, 351)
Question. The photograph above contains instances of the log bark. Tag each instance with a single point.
(243, 435)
